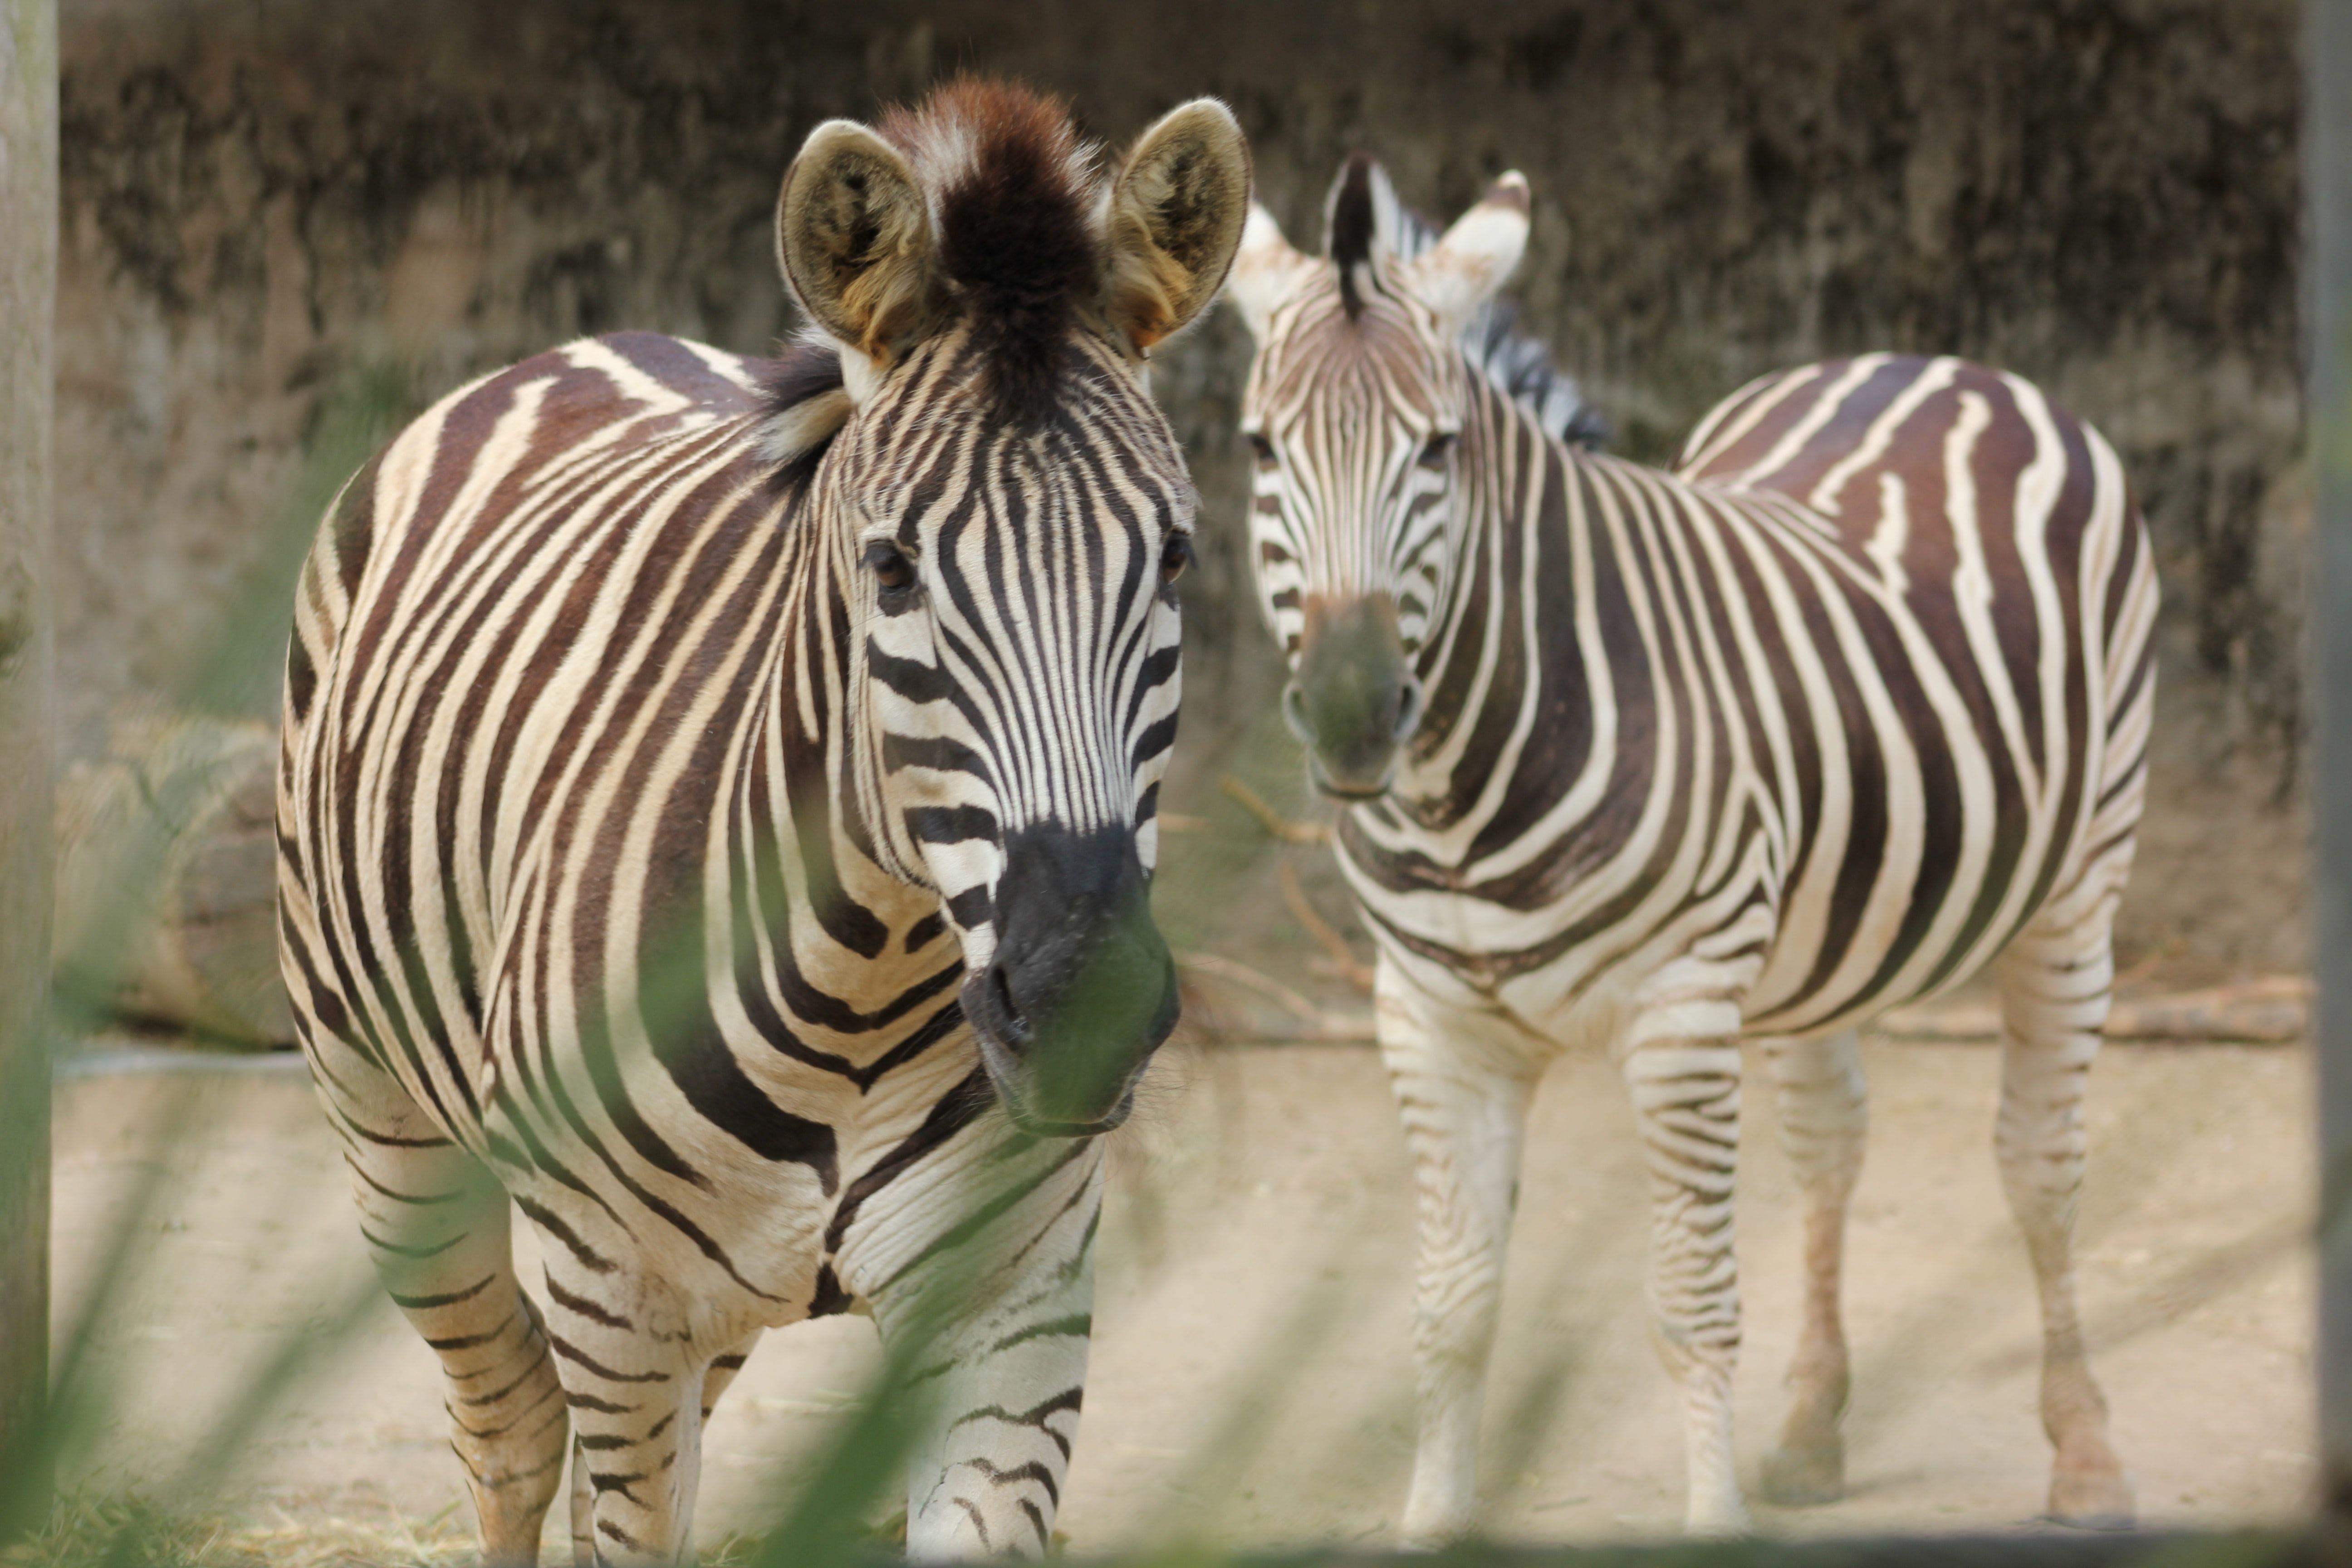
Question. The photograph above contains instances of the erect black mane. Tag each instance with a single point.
(1352, 228)
(1361, 213)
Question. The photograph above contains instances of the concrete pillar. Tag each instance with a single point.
(28, 261)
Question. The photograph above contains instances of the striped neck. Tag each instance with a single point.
(809, 773)
(1525, 576)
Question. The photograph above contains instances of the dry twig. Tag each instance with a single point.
(1343, 959)
(1311, 1022)
(1282, 827)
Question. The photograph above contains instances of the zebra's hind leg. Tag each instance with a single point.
(436, 1222)
(1463, 1095)
(2055, 981)
(1824, 1116)
(584, 1491)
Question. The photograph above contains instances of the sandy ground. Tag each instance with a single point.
(1251, 1379)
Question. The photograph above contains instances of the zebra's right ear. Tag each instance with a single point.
(853, 240)
(1265, 269)
(1173, 219)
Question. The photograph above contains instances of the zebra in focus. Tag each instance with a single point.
(1849, 705)
(717, 808)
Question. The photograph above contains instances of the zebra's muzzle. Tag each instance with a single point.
(1354, 700)
(1081, 988)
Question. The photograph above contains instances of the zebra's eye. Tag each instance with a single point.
(1174, 557)
(1439, 446)
(890, 567)
(1263, 447)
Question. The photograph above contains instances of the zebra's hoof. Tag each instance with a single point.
(1805, 1475)
(2098, 1500)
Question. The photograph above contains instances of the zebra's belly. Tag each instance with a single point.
(1584, 967)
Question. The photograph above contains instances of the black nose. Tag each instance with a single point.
(1355, 699)
(1081, 989)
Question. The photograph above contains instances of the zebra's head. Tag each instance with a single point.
(1006, 514)
(1354, 407)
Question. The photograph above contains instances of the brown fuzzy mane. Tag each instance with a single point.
(1015, 193)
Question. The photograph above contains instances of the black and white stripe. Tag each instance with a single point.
(706, 786)
(1851, 704)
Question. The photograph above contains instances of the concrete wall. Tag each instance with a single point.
(266, 200)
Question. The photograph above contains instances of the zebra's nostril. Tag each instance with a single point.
(999, 981)
(1294, 714)
(1409, 704)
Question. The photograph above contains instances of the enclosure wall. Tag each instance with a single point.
(268, 205)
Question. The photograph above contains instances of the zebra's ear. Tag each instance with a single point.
(1175, 218)
(853, 239)
(1265, 270)
(1466, 268)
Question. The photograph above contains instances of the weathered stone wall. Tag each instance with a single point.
(263, 200)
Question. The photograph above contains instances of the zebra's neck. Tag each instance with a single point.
(805, 780)
(1517, 688)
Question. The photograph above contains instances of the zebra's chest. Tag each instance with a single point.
(717, 1093)
(1569, 917)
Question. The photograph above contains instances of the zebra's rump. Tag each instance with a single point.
(1849, 691)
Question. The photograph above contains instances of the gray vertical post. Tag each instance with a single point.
(2327, 274)
(28, 260)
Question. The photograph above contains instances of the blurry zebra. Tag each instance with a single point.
(716, 809)
(1849, 705)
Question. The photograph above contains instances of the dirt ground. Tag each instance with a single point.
(1251, 1381)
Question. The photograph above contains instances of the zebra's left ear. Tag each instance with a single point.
(1471, 264)
(1175, 218)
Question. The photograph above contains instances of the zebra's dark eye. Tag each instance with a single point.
(1437, 449)
(1263, 447)
(1174, 557)
(890, 567)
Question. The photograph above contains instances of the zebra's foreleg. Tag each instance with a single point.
(1686, 1099)
(722, 1373)
(1463, 1104)
(1824, 1116)
(988, 1299)
(436, 1222)
(634, 1382)
(2055, 983)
